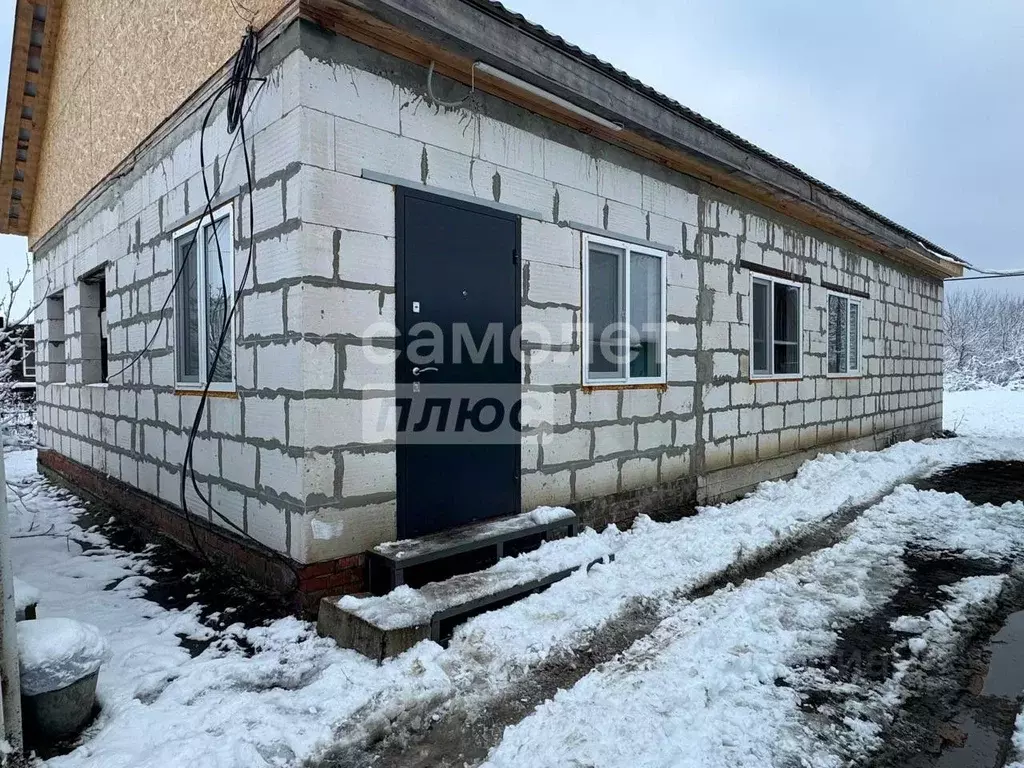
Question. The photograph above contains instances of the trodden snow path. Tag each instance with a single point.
(297, 695)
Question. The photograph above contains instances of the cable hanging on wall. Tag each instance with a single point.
(441, 102)
(236, 88)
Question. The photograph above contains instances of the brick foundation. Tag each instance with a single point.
(269, 571)
(666, 501)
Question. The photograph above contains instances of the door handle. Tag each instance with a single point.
(416, 371)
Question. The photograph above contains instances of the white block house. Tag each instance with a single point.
(514, 278)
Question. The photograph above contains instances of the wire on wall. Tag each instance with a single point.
(190, 248)
(236, 113)
(236, 88)
(441, 102)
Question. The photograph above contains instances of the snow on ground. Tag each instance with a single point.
(25, 595)
(161, 707)
(1016, 757)
(702, 690)
(297, 694)
(989, 413)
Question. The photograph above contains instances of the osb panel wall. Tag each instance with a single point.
(121, 68)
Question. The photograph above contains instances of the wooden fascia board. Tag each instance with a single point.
(423, 31)
(16, 99)
(20, 44)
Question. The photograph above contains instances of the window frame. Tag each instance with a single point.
(771, 280)
(212, 219)
(51, 364)
(96, 278)
(24, 342)
(850, 300)
(628, 248)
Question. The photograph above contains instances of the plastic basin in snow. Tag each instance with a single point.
(61, 713)
(60, 661)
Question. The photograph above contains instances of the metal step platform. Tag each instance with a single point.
(384, 626)
(389, 562)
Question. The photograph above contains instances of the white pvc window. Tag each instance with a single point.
(844, 335)
(623, 312)
(203, 297)
(776, 340)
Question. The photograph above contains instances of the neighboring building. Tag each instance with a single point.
(21, 362)
(770, 316)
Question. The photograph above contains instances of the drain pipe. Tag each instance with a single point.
(10, 670)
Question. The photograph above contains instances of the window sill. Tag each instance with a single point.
(767, 379)
(659, 385)
(226, 393)
(844, 375)
(97, 384)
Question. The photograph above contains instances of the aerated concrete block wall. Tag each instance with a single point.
(249, 459)
(372, 113)
(288, 458)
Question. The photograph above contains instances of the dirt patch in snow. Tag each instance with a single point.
(963, 716)
(947, 719)
(177, 579)
(869, 649)
(986, 482)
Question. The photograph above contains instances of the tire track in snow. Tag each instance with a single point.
(699, 691)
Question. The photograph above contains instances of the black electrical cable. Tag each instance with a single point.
(233, 87)
(187, 467)
(241, 76)
(191, 247)
(225, 331)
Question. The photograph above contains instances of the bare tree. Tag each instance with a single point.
(14, 343)
(984, 339)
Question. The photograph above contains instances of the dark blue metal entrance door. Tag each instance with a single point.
(458, 308)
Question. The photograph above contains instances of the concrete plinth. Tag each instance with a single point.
(351, 631)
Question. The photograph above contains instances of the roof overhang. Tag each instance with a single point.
(456, 33)
(36, 24)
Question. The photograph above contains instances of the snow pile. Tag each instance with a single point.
(256, 697)
(1016, 758)
(549, 515)
(55, 653)
(656, 560)
(24, 595)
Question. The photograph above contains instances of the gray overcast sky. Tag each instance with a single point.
(915, 108)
